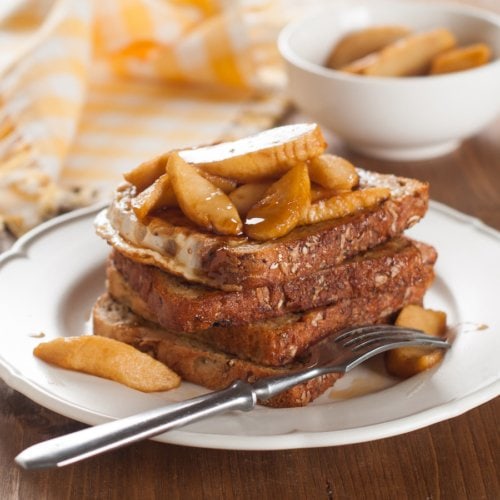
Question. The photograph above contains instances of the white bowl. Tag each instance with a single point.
(393, 118)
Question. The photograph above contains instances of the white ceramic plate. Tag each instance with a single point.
(50, 279)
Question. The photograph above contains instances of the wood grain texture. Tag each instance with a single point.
(455, 459)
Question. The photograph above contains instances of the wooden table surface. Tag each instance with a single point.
(455, 459)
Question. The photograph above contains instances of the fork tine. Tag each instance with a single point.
(399, 342)
(359, 331)
(394, 335)
(371, 348)
(358, 342)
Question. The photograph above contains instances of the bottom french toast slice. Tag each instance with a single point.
(194, 361)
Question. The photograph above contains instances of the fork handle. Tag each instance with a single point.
(266, 388)
(91, 441)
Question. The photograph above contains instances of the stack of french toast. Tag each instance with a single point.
(229, 261)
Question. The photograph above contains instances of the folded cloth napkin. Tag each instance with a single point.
(90, 89)
(42, 88)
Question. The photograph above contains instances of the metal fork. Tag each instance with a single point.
(338, 354)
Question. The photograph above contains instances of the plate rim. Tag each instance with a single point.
(297, 439)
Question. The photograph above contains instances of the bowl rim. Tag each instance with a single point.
(290, 56)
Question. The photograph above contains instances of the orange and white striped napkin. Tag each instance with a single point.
(90, 89)
(45, 57)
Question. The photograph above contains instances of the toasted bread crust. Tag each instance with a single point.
(171, 243)
(194, 361)
(278, 341)
(186, 307)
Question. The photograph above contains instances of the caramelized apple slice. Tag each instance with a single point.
(268, 154)
(283, 206)
(461, 59)
(223, 183)
(408, 56)
(363, 42)
(247, 195)
(345, 203)
(147, 172)
(108, 358)
(201, 201)
(405, 362)
(333, 172)
(358, 66)
(159, 194)
(320, 193)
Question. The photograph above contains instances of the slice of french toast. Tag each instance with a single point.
(187, 307)
(171, 242)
